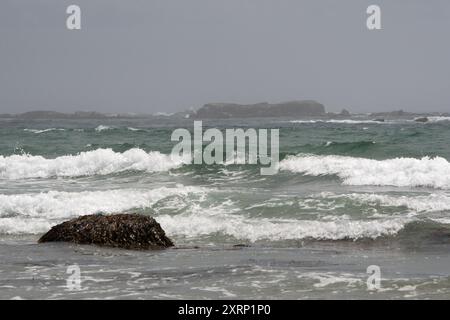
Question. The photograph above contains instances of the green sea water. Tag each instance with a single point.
(348, 194)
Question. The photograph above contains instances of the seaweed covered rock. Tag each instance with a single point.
(421, 119)
(128, 231)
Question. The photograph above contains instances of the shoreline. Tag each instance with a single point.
(319, 270)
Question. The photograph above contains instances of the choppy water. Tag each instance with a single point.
(348, 194)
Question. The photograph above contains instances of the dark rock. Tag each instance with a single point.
(186, 247)
(42, 115)
(263, 109)
(241, 245)
(422, 119)
(345, 113)
(378, 120)
(128, 231)
(399, 113)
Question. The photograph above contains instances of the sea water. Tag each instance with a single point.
(349, 194)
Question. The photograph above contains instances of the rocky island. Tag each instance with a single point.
(302, 108)
(299, 109)
(127, 231)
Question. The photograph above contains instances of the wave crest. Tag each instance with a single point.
(191, 226)
(43, 130)
(399, 172)
(96, 162)
(36, 213)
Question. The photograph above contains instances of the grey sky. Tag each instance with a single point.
(170, 55)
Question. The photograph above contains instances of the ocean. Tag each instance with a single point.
(350, 194)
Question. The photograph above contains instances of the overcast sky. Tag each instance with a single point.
(170, 55)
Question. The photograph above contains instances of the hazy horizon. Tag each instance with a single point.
(170, 56)
(124, 112)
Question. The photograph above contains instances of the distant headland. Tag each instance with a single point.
(305, 108)
(299, 109)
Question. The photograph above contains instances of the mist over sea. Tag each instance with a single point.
(349, 194)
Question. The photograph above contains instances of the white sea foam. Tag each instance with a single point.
(401, 172)
(419, 203)
(164, 114)
(96, 162)
(431, 119)
(227, 219)
(438, 119)
(190, 215)
(103, 128)
(330, 278)
(441, 220)
(24, 226)
(255, 229)
(43, 130)
(343, 121)
(134, 129)
(35, 213)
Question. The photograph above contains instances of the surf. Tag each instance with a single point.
(89, 163)
(398, 172)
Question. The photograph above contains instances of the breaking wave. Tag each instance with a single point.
(96, 162)
(101, 128)
(135, 129)
(343, 121)
(420, 203)
(35, 213)
(438, 119)
(186, 212)
(257, 229)
(400, 172)
(43, 130)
